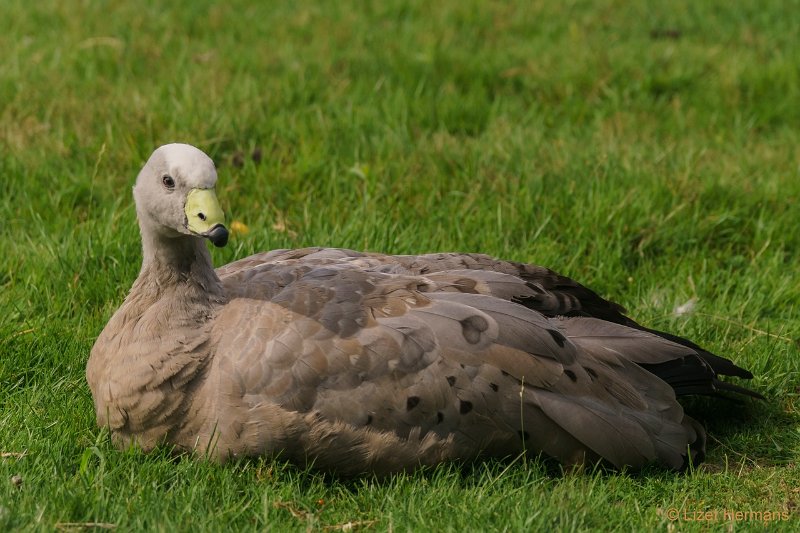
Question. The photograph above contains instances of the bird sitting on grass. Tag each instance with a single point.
(365, 363)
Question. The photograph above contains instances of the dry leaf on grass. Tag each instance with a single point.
(13, 455)
(69, 526)
(282, 226)
(351, 526)
(239, 228)
(292, 508)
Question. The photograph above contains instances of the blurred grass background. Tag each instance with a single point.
(650, 150)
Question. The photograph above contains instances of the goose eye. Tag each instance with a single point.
(168, 182)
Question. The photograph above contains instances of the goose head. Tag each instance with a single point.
(175, 195)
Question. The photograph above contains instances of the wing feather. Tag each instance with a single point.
(458, 348)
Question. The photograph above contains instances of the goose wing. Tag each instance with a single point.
(452, 356)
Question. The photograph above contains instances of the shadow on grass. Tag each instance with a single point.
(759, 432)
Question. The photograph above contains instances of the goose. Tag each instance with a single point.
(363, 363)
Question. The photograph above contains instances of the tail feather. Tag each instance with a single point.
(682, 364)
(719, 365)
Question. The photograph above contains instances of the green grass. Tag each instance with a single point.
(649, 150)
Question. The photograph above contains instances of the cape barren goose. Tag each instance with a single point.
(370, 363)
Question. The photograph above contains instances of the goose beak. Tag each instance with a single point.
(204, 216)
(218, 235)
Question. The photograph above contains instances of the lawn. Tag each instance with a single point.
(649, 150)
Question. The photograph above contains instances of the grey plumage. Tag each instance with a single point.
(362, 362)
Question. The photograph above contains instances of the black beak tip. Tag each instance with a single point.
(218, 236)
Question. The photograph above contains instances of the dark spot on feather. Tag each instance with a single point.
(591, 372)
(369, 420)
(423, 287)
(535, 287)
(504, 372)
(494, 386)
(451, 380)
(558, 337)
(466, 285)
(465, 407)
(462, 365)
(571, 375)
(472, 327)
(439, 417)
(524, 435)
(412, 402)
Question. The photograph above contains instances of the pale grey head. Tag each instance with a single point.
(175, 196)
